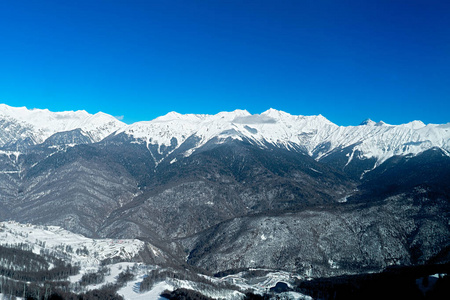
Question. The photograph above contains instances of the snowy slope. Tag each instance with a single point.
(88, 254)
(162, 130)
(38, 124)
(310, 133)
(83, 250)
(313, 134)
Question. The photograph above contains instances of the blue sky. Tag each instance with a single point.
(347, 60)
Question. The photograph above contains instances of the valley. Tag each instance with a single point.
(224, 204)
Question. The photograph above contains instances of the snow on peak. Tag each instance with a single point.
(415, 124)
(234, 113)
(39, 117)
(381, 123)
(315, 134)
(368, 122)
(43, 123)
(272, 126)
(171, 116)
(276, 114)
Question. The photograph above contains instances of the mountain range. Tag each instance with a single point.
(235, 190)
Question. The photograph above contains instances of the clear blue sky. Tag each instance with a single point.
(347, 60)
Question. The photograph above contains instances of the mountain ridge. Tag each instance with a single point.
(199, 186)
(316, 135)
(40, 124)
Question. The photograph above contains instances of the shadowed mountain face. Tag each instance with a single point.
(235, 205)
(235, 201)
(330, 240)
(189, 195)
(112, 188)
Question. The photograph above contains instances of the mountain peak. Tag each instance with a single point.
(42, 123)
(415, 124)
(272, 126)
(230, 115)
(173, 115)
(274, 113)
(380, 123)
(368, 122)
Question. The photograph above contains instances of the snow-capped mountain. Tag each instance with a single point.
(36, 125)
(315, 135)
(234, 190)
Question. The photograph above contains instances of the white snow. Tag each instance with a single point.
(315, 134)
(343, 200)
(44, 123)
(56, 239)
(130, 290)
(261, 284)
(373, 140)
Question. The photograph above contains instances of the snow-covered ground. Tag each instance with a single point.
(77, 248)
(260, 284)
(131, 290)
(88, 254)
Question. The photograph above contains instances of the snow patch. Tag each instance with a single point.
(83, 250)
